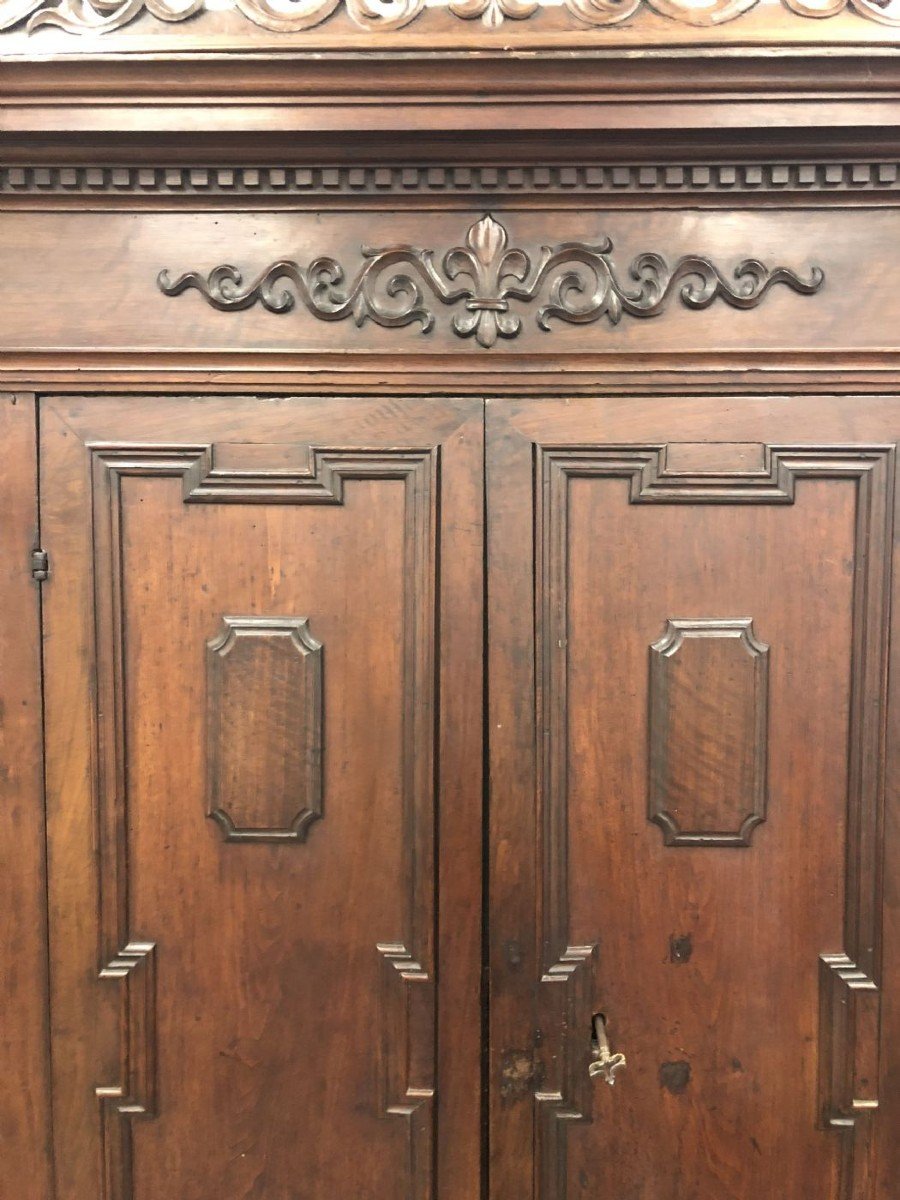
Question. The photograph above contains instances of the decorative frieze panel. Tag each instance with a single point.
(579, 281)
(338, 320)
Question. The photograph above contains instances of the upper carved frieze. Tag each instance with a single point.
(484, 279)
(373, 16)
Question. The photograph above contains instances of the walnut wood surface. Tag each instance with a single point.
(374, 973)
(708, 731)
(264, 702)
(714, 965)
(260, 1006)
(25, 1164)
(118, 256)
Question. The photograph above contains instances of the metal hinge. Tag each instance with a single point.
(40, 565)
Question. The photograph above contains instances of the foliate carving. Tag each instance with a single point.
(264, 729)
(374, 16)
(708, 728)
(103, 16)
(494, 12)
(578, 279)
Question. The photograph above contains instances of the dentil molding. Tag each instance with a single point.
(361, 179)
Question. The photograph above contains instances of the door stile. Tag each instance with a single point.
(26, 1104)
(514, 949)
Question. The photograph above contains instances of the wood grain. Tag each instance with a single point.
(708, 734)
(705, 1103)
(264, 728)
(271, 998)
(404, 1004)
(25, 1103)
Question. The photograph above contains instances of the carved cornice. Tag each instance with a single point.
(608, 180)
(376, 16)
(578, 280)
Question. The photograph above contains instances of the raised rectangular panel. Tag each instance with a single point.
(715, 458)
(708, 709)
(264, 728)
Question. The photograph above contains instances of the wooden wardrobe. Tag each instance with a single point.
(449, 715)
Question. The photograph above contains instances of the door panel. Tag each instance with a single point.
(689, 721)
(243, 636)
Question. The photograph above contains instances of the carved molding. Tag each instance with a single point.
(733, 759)
(405, 1067)
(607, 180)
(849, 980)
(407, 1055)
(320, 480)
(382, 16)
(133, 970)
(848, 1063)
(579, 280)
(285, 676)
(652, 481)
(566, 1001)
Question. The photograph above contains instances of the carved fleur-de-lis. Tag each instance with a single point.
(487, 262)
(487, 239)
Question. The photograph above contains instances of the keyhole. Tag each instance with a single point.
(598, 1030)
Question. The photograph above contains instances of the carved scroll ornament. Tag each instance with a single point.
(578, 279)
(295, 16)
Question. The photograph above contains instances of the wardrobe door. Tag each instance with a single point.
(262, 632)
(695, 891)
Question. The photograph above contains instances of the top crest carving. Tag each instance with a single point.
(296, 16)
